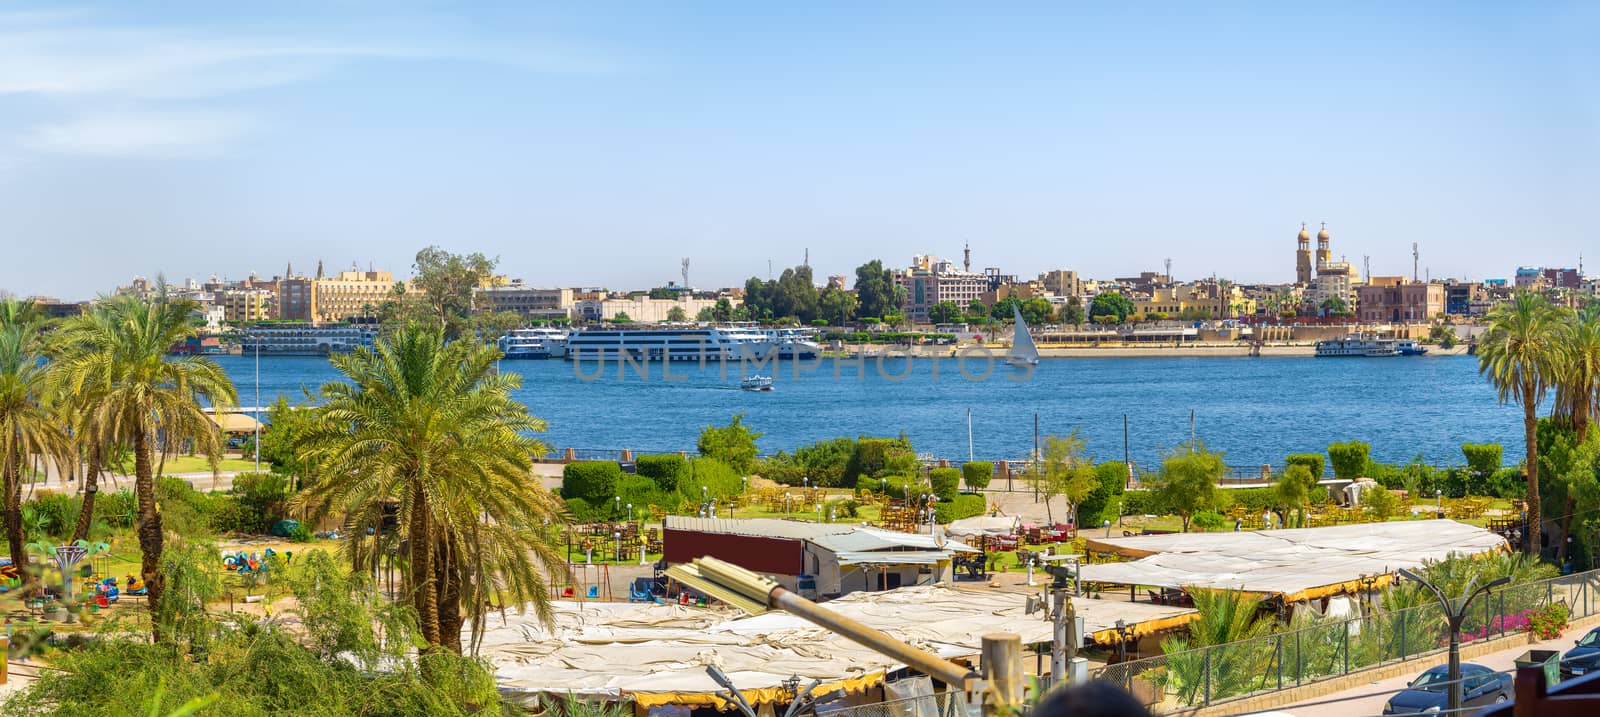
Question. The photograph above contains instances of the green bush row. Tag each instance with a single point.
(962, 506)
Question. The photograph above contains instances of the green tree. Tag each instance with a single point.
(945, 482)
(677, 315)
(1519, 356)
(722, 312)
(491, 325)
(1066, 471)
(1002, 309)
(1333, 306)
(28, 426)
(706, 315)
(837, 306)
(1112, 304)
(622, 317)
(977, 474)
(1037, 312)
(1577, 371)
(977, 310)
(1292, 490)
(430, 427)
(1349, 459)
(875, 287)
(1072, 312)
(444, 286)
(1380, 503)
(1188, 480)
(286, 425)
(944, 312)
(118, 353)
(1442, 335)
(733, 444)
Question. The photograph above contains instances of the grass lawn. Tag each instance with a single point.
(196, 464)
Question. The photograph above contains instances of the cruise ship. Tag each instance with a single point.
(794, 344)
(668, 344)
(533, 344)
(305, 339)
(1357, 345)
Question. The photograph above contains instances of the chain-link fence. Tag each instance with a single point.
(1287, 659)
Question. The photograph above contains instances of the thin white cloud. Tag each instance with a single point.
(134, 134)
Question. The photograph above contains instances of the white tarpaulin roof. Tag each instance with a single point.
(614, 649)
(1292, 563)
(984, 525)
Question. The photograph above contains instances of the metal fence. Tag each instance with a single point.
(1288, 659)
(950, 703)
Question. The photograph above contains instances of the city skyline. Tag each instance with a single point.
(597, 147)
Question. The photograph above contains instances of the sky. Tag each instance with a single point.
(598, 143)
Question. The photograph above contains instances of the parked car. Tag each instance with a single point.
(1429, 693)
(1584, 657)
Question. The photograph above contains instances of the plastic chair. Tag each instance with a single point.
(594, 592)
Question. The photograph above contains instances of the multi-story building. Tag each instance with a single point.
(1390, 300)
(1465, 298)
(351, 294)
(1223, 301)
(296, 300)
(529, 302)
(245, 304)
(931, 280)
(1335, 280)
(642, 309)
(1145, 282)
(1062, 282)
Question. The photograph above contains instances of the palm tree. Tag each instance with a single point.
(430, 428)
(1577, 385)
(28, 427)
(117, 354)
(1519, 355)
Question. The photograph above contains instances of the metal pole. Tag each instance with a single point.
(1062, 635)
(258, 405)
(1207, 666)
(1002, 667)
(1035, 458)
(970, 454)
(1127, 462)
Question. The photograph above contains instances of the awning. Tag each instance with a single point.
(235, 423)
(893, 557)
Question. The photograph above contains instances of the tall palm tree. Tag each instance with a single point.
(28, 427)
(1577, 385)
(117, 354)
(1519, 355)
(430, 428)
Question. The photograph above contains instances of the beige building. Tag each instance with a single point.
(528, 301)
(932, 280)
(350, 294)
(1218, 301)
(642, 309)
(1062, 282)
(246, 305)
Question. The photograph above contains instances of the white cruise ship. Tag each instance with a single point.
(1356, 345)
(668, 344)
(794, 344)
(304, 339)
(533, 344)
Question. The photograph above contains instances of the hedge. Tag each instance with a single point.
(946, 482)
(720, 480)
(963, 506)
(1101, 504)
(593, 481)
(892, 486)
(977, 474)
(1313, 461)
(664, 469)
(1349, 459)
(1143, 502)
(1482, 458)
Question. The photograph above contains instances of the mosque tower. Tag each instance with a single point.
(1324, 256)
(1302, 257)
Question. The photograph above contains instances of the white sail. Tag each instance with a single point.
(1022, 349)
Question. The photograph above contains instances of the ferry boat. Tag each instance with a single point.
(1410, 348)
(1357, 345)
(533, 344)
(306, 339)
(756, 383)
(794, 344)
(668, 344)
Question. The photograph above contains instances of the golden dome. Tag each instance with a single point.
(1303, 233)
(1322, 235)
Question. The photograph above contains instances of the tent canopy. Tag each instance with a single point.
(984, 525)
(1298, 564)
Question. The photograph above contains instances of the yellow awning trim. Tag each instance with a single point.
(758, 696)
(1148, 627)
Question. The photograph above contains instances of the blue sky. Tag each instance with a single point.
(597, 143)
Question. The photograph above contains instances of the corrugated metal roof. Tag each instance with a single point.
(759, 527)
(893, 557)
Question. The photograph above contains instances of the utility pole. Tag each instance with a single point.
(1126, 460)
(1036, 461)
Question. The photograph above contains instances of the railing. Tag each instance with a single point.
(939, 704)
(1288, 659)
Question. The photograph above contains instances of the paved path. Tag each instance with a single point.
(1373, 705)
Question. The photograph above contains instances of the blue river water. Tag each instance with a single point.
(1255, 410)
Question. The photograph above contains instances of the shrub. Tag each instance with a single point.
(963, 506)
(1143, 502)
(1255, 499)
(1380, 503)
(642, 492)
(118, 508)
(184, 510)
(720, 480)
(946, 482)
(1508, 482)
(881, 456)
(1312, 461)
(664, 470)
(733, 444)
(582, 511)
(890, 485)
(1482, 458)
(1349, 459)
(1548, 622)
(593, 481)
(1209, 521)
(977, 474)
(1101, 504)
(50, 515)
(258, 501)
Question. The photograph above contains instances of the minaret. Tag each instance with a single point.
(966, 257)
(288, 270)
(319, 268)
(1302, 257)
(1324, 256)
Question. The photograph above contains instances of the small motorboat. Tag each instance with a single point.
(756, 383)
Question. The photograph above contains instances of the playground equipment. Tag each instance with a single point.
(589, 582)
(248, 564)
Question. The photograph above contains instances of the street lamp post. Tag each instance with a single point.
(1122, 629)
(1454, 615)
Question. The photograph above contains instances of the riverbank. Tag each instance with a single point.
(1195, 350)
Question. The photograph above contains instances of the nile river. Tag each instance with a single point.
(1254, 409)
